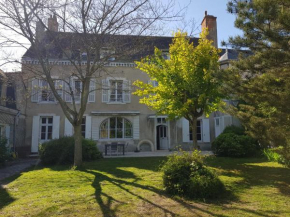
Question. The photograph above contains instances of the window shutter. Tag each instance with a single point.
(92, 90)
(205, 130)
(127, 91)
(34, 91)
(67, 94)
(88, 133)
(185, 130)
(105, 90)
(55, 127)
(136, 128)
(35, 134)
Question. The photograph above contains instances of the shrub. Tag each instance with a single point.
(186, 175)
(234, 129)
(279, 155)
(233, 145)
(3, 151)
(61, 151)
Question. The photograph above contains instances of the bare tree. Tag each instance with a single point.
(85, 33)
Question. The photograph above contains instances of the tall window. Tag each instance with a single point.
(83, 126)
(198, 131)
(116, 128)
(116, 92)
(46, 94)
(46, 124)
(77, 90)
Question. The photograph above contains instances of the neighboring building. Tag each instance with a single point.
(113, 114)
(11, 121)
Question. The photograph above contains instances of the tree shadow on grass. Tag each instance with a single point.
(6, 198)
(127, 187)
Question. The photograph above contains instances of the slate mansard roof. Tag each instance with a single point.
(55, 43)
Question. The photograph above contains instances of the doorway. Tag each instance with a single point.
(162, 137)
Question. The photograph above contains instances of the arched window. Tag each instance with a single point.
(116, 128)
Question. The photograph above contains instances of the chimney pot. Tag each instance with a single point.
(205, 13)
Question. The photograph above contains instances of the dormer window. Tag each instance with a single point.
(107, 54)
(84, 56)
(165, 54)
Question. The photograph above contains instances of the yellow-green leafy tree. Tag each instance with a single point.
(187, 83)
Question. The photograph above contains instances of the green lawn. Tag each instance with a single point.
(133, 187)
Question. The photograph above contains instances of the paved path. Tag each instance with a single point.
(17, 167)
(151, 154)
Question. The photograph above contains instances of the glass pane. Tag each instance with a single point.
(42, 136)
(119, 133)
(198, 123)
(113, 133)
(128, 133)
(104, 125)
(49, 136)
(84, 120)
(83, 127)
(43, 120)
(120, 123)
(50, 120)
(104, 134)
(198, 136)
(112, 123)
(43, 129)
(44, 95)
(159, 120)
(198, 130)
(49, 129)
(164, 131)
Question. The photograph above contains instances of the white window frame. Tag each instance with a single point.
(46, 128)
(49, 92)
(106, 89)
(116, 129)
(115, 87)
(196, 133)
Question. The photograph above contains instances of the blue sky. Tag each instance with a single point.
(217, 8)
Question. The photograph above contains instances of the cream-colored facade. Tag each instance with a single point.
(148, 132)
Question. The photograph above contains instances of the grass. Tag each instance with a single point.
(133, 187)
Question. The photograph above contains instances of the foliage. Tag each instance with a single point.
(261, 81)
(272, 156)
(61, 151)
(187, 86)
(234, 129)
(3, 151)
(234, 145)
(186, 175)
(275, 155)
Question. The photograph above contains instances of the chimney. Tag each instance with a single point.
(52, 23)
(39, 31)
(209, 22)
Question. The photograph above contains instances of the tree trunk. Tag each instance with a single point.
(78, 155)
(193, 125)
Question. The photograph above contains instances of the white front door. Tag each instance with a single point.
(162, 136)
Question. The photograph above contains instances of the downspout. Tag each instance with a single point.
(14, 130)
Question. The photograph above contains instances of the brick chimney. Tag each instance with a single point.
(52, 23)
(209, 22)
(39, 30)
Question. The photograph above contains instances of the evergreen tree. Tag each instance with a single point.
(261, 80)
